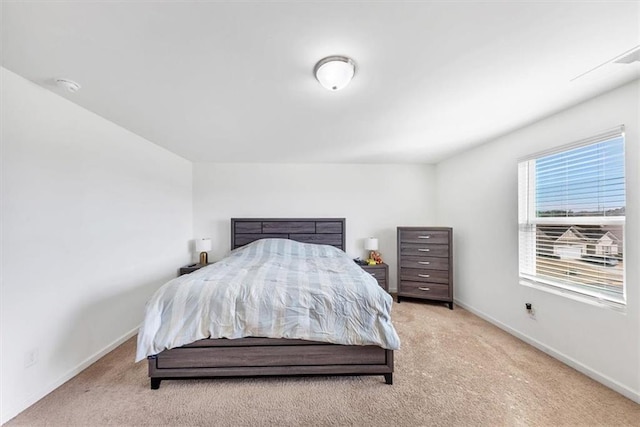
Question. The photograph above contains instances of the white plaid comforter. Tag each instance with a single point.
(272, 288)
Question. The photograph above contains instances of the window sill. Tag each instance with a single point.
(586, 299)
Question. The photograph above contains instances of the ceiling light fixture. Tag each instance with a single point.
(69, 85)
(334, 72)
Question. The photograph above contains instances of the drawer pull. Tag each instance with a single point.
(373, 274)
(424, 237)
(424, 262)
(424, 275)
(422, 288)
(423, 250)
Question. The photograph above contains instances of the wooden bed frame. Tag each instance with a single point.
(248, 357)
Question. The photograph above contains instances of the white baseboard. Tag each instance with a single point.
(591, 373)
(9, 413)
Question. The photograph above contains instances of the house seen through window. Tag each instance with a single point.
(572, 218)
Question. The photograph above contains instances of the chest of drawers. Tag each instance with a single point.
(425, 263)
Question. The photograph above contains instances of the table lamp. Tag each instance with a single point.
(203, 246)
(371, 244)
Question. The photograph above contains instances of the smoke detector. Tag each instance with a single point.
(69, 85)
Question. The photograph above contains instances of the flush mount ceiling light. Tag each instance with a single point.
(69, 85)
(334, 72)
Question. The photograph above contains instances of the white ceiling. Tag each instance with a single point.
(232, 82)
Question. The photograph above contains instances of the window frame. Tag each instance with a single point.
(527, 217)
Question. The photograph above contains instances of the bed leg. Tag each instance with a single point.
(388, 378)
(155, 383)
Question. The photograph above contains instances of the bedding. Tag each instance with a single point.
(274, 288)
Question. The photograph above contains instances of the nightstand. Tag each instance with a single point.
(191, 268)
(380, 272)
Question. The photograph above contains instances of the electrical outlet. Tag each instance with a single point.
(31, 358)
(530, 310)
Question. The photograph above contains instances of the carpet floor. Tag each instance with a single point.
(454, 369)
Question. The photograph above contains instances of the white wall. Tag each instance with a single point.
(477, 195)
(374, 199)
(94, 219)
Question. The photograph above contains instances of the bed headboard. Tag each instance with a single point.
(324, 231)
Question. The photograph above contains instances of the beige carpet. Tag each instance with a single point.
(453, 369)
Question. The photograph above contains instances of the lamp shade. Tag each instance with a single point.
(203, 245)
(371, 244)
(335, 72)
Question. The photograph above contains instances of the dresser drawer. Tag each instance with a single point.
(417, 249)
(424, 290)
(430, 263)
(379, 272)
(421, 275)
(383, 283)
(424, 236)
(380, 276)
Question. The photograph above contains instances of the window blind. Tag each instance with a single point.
(571, 213)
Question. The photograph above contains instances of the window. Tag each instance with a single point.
(571, 213)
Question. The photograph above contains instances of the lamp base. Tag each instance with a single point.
(204, 258)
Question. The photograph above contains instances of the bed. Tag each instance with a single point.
(259, 356)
